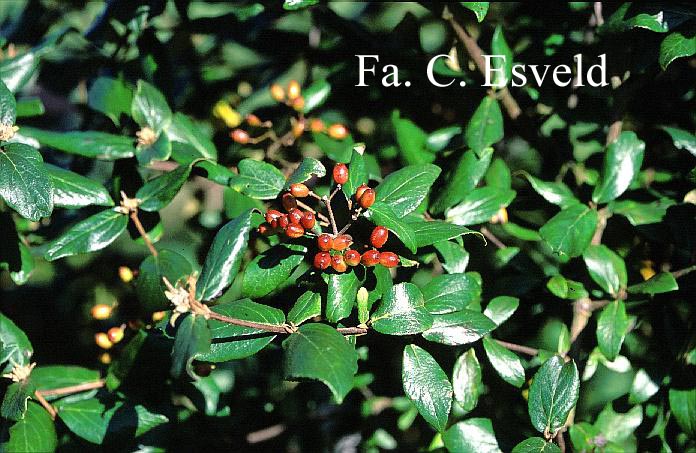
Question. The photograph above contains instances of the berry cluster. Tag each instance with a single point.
(334, 249)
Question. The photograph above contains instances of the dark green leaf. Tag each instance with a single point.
(188, 137)
(160, 150)
(466, 380)
(315, 95)
(120, 369)
(88, 419)
(553, 192)
(566, 289)
(406, 188)
(382, 214)
(358, 172)
(150, 287)
(336, 150)
(270, 269)
(681, 138)
(71, 190)
(641, 213)
(451, 292)
(34, 433)
(14, 402)
(622, 163)
(536, 445)
(160, 191)
(612, 326)
(308, 167)
(501, 308)
(462, 180)
(149, 107)
(505, 362)
(15, 348)
(454, 257)
(663, 282)
(317, 351)
(485, 126)
(24, 182)
(96, 145)
(474, 435)
(402, 311)
(258, 180)
(618, 427)
(432, 231)
(498, 175)
(92, 234)
(606, 268)
(478, 8)
(676, 45)
(459, 327)
(8, 106)
(553, 394)
(499, 46)
(683, 406)
(426, 384)
(193, 338)
(570, 231)
(412, 141)
(480, 205)
(51, 377)
(659, 18)
(112, 97)
(341, 294)
(308, 306)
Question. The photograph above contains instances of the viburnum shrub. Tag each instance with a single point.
(215, 238)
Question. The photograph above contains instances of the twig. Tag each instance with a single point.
(490, 236)
(265, 434)
(561, 441)
(683, 272)
(518, 348)
(143, 233)
(73, 388)
(50, 409)
(352, 330)
(253, 325)
(602, 216)
(327, 202)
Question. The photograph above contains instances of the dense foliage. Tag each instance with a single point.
(213, 239)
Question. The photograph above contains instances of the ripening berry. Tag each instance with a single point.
(115, 334)
(340, 173)
(298, 127)
(101, 311)
(352, 257)
(360, 191)
(299, 190)
(203, 369)
(277, 93)
(308, 220)
(125, 274)
(337, 131)
(294, 90)
(294, 231)
(289, 202)
(322, 260)
(325, 242)
(253, 120)
(240, 136)
(265, 229)
(367, 199)
(283, 221)
(379, 237)
(105, 358)
(272, 217)
(342, 242)
(158, 316)
(370, 258)
(388, 259)
(316, 125)
(295, 216)
(298, 105)
(102, 340)
(338, 263)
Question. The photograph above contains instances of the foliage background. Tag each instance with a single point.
(199, 53)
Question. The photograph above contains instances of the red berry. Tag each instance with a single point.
(294, 231)
(367, 199)
(379, 236)
(352, 257)
(272, 217)
(289, 202)
(265, 229)
(308, 220)
(322, 260)
(388, 259)
(338, 263)
(342, 242)
(299, 190)
(240, 136)
(340, 173)
(370, 258)
(283, 221)
(295, 216)
(325, 242)
(360, 191)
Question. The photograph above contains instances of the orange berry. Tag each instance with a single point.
(158, 315)
(101, 311)
(325, 242)
(388, 259)
(289, 202)
(360, 191)
(240, 136)
(298, 105)
(105, 358)
(125, 273)
(379, 236)
(294, 231)
(370, 258)
(367, 199)
(338, 263)
(295, 216)
(299, 190)
(322, 260)
(298, 126)
(253, 120)
(102, 340)
(272, 217)
(115, 334)
(342, 242)
(277, 93)
(340, 173)
(316, 125)
(352, 257)
(308, 220)
(294, 90)
(337, 131)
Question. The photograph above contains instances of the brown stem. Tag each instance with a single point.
(334, 228)
(352, 330)
(518, 348)
(683, 272)
(602, 216)
(253, 325)
(561, 441)
(476, 54)
(491, 237)
(50, 409)
(143, 233)
(73, 388)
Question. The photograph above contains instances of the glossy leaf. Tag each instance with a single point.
(553, 394)
(158, 192)
(382, 214)
(459, 327)
(432, 231)
(466, 380)
(341, 295)
(15, 400)
(469, 171)
(112, 97)
(34, 433)
(606, 268)
(8, 106)
(536, 445)
(308, 306)
(24, 182)
(401, 312)
(72, 190)
(478, 8)
(358, 174)
(149, 107)
(500, 308)
(405, 189)
(663, 282)
(479, 206)
(553, 192)
(270, 269)
(15, 347)
(474, 435)
(150, 286)
(612, 326)
(570, 231)
(193, 338)
(427, 386)
(188, 138)
(412, 141)
(315, 95)
(50, 377)
(93, 144)
(565, 288)
(258, 180)
(451, 292)
(499, 46)
(92, 234)
(485, 126)
(622, 162)
(681, 138)
(505, 362)
(308, 168)
(676, 45)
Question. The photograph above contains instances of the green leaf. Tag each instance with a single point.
(641, 213)
(401, 312)
(92, 234)
(618, 427)
(15, 72)
(232, 342)
(681, 138)
(659, 18)
(71, 190)
(643, 387)
(112, 97)
(536, 445)
(405, 189)
(315, 95)
(480, 205)
(308, 306)
(224, 258)
(426, 384)
(622, 162)
(121, 368)
(8, 106)
(606, 268)
(88, 419)
(270, 269)
(412, 141)
(358, 172)
(453, 256)
(505, 362)
(193, 338)
(462, 180)
(14, 402)
(499, 46)
(158, 192)
(683, 406)
(382, 214)
(466, 380)
(51, 377)
(149, 107)
(150, 287)
(501, 308)
(258, 180)
(336, 150)
(570, 231)
(29, 107)
(439, 139)
(612, 326)
(451, 292)
(292, 5)
(485, 126)
(458, 328)
(92, 144)
(161, 150)
(189, 138)
(478, 8)
(215, 172)
(474, 435)
(34, 433)
(341, 295)
(498, 175)
(565, 288)
(432, 231)
(663, 282)
(676, 45)
(553, 394)
(15, 347)
(24, 182)
(308, 168)
(317, 351)
(553, 192)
